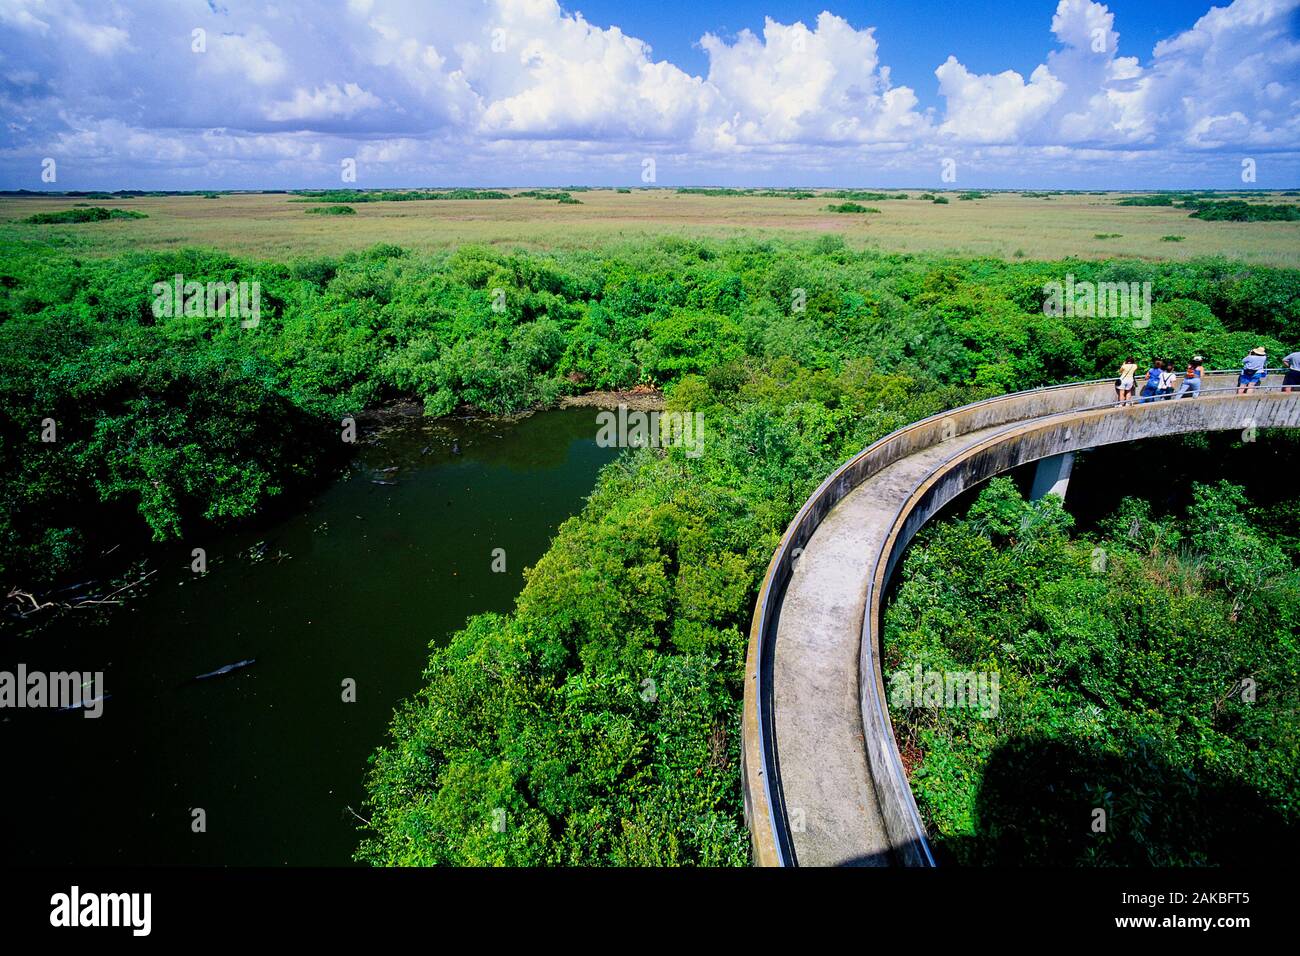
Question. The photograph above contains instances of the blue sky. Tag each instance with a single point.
(191, 94)
(987, 35)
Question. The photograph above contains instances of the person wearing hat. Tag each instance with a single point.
(1292, 377)
(1191, 386)
(1253, 370)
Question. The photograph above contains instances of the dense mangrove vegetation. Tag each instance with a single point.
(1217, 207)
(1147, 670)
(597, 723)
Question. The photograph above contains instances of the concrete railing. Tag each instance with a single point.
(1039, 423)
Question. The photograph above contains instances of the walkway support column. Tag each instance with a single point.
(1052, 477)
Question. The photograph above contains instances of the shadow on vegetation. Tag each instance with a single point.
(1038, 799)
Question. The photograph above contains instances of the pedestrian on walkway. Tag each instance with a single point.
(1152, 386)
(1253, 370)
(1292, 377)
(1191, 387)
(1124, 384)
(1168, 380)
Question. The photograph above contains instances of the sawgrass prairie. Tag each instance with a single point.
(1006, 225)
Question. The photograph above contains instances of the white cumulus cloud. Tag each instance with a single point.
(796, 85)
(478, 90)
(323, 102)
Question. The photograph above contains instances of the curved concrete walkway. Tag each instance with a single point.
(824, 785)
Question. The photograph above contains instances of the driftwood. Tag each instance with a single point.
(36, 606)
(18, 595)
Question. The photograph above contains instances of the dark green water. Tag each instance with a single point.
(356, 585)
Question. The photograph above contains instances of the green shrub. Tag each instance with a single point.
(850, 207)
(83, 214)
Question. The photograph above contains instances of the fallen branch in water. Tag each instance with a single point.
(19, 595)
(15, 593)
(105, 599)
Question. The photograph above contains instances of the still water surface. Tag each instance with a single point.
(357, 584)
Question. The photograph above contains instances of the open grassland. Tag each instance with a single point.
(1006, 225)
